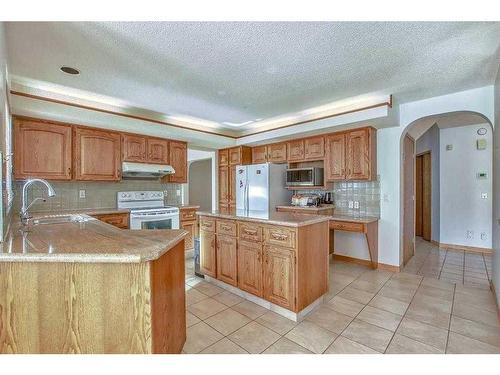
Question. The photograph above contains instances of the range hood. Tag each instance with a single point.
(143, 171)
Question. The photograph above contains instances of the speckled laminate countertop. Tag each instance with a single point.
(324, 207)
(287, 219)
(85, 242)
(354, 219)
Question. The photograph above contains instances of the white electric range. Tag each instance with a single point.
(148, 210)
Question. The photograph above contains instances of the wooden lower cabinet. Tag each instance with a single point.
(279, 276)
(208, 264)
(227, 266)
(250, 267)
(189, 226)
(119, 220)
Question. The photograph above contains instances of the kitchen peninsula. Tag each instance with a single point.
(74, 284)
(278, 260)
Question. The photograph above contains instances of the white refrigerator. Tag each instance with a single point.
(261, 187)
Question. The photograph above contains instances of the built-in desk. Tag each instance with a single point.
(366, 225)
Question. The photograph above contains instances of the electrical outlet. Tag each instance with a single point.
(484, 236)
(356, 204)
(81, 194)
(484, 195)
(178, 192)
(351, 204)
(469, 235)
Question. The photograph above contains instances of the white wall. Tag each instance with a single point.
(496, 192)
(429, 141)
(462, 207)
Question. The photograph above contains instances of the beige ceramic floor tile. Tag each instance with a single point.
(458, 344)
(407, 278)
(367, 286)
(285, 346)
(439, 293)
(329, 319)
(191, 320)
(228, 298)
(433, 303)
(343, 345)
(345, 306)
(481, 300)
(227, 321)
(369, 335)
(254, 337)
(194, 280)
(380, 318)
(389, 304)
(424, 333)
(426, 314)
(356, 295)
(276, 322)
(224, 346)
(199, 337)
(477, 331)
(250, 309)
(206, 308)
(208, 289)
(193, 296)
(437, 284)
(476, 314)
(399, 292)
(404, 345)
(311, 337)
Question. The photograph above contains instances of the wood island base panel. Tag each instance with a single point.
(279, 262)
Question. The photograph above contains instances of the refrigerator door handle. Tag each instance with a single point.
(246, 195)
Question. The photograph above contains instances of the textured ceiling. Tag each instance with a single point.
(243, 71)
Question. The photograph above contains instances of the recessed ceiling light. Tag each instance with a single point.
(70, 70)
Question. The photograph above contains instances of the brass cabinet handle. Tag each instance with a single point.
(225, 227)
(250, 232)
(280, 237)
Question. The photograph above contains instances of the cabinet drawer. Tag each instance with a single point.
(207, 224)
(280, 236)
(117, 220)
(188, 214)
(347, 226)
(226, 227)
(250, 232)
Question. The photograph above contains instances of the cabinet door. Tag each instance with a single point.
(279, 276)
(357, 159)
(223, 157)
(259, 154)
(227, 266)
(97, 155)
(335, 157)
(250, 267)
(277, 152)
(207, 253)
(232, 186)
(42, 150)
(178, 160)
(224, 185)
(295, 150)
(157, 151)
(134, 148)
(189, 239)
(235, 156)
(119, 220)
(314, 148)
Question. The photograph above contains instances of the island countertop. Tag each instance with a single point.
(288, 219)
(90, 241)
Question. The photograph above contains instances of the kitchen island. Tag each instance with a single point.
(278, 260)
(74, 284)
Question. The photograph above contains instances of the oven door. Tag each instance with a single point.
(152, 220)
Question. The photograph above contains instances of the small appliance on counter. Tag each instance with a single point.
(306, 200)
(327, 199)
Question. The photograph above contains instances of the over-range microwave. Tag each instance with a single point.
(312, 176)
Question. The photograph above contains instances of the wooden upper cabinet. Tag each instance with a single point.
(208, 264)
(224, 185)
(295, 150)
(227, 266)
(157, 151)
(97, 155)
(259, 154)
(279, 276)
(223, 157)
(232, 186)
(276, 153)
(134, 148)
(250, 267)
(241, 155)
(314, 148)
(42, 150)
(361, 154)
(178, 160)
(335, 157)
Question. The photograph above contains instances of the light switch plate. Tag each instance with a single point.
(178, 193)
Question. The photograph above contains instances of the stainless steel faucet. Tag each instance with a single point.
(24, 209)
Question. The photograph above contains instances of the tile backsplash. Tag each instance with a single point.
(367, 193)
(97, 194)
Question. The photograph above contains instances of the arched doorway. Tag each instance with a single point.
(446, 197)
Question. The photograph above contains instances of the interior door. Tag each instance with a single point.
(408, 199)
(423, 196)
